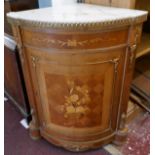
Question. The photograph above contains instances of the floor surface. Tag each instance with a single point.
(18, 142)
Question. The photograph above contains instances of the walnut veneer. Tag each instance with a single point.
(78, 77)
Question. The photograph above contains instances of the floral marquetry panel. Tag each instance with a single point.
(75, 100)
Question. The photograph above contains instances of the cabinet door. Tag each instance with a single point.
(77, 90)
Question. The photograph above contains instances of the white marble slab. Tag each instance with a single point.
(77, 14)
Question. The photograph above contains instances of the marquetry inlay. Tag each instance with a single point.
(73, 42)
(77, 101)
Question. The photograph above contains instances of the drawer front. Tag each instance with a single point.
(74, 41)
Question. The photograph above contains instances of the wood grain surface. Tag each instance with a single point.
(78, 83)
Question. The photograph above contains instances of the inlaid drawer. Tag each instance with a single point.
(74, 40)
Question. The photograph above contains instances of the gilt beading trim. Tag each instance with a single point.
(78, 26)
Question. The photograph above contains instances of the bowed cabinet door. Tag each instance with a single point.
(77, 93)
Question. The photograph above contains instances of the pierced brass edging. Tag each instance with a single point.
(78, 26)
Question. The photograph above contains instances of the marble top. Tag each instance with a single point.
(77, 15)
